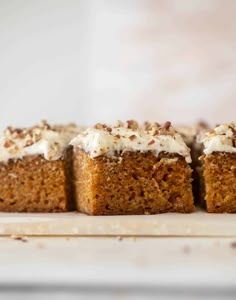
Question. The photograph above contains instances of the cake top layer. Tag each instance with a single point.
(43, 139)
(129, 136)
(220, 139)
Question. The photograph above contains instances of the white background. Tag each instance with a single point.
(102, 60)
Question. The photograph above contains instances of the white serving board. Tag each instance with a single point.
(199, 223)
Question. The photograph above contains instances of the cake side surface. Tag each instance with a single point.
(132, 183)
(33, 184)
(220, 182)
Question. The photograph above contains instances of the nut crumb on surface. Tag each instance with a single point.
(119, 238)
(24, 239)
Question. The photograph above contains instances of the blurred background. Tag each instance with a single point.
(102, 60)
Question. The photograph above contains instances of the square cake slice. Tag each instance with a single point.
(35, 169)
(126, 169)
(219, 169)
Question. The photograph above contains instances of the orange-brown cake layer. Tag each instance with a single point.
(133, 182)
(220, 182)
(34, 184)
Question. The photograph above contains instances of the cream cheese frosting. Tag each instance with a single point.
(43, 139)
(129, 136)
(221, 139)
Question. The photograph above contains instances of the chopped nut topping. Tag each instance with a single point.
(44, 125)
(28, 143)
(103, 127)
(212, 131)
(132, 124)
(151, 142)
(8, 143)
(14, 150)
(152, 126)
(8, 131)
(109, 129)
(119, 124)
(167, 125)
(202, 157)
(100, 126)
(156, 132)
(132, 137)
(16, 140)
(146, 125)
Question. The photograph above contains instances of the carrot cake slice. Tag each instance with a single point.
(127, 169)
(219, 169)
(34, 169)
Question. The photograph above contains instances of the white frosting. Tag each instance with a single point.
(221, 139)
(50, 143)
(98, 142)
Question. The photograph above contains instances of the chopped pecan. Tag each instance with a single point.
(8, 143)
(132, 137)
(151, 142)
(28, 143)
(132, 124)
(166, 125)
(14, 150)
